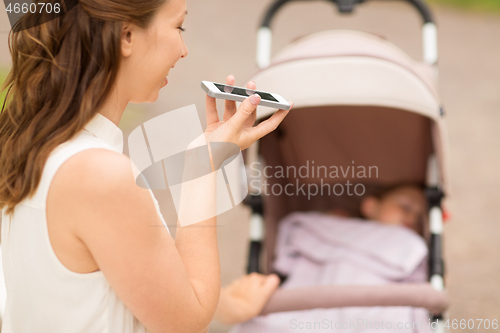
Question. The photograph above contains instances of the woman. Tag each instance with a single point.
(80, 254)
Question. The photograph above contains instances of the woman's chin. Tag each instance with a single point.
(153, 97)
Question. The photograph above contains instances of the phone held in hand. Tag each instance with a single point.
(239, 94)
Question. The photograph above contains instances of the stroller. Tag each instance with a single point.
(357, 99)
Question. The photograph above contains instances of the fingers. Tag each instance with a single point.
(230, 106)
(270, 124)
(251, 85)
(211, 110)
(273, 279)
(271, 284)
(266, 282)
(230, 80)
(251, 120)
(247, 107)
(267, 285)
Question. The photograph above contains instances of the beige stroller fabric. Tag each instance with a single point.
(358, 99)
(420, 295)
(350, 68)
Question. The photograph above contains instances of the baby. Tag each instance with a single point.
(245, 298)
(401, 205)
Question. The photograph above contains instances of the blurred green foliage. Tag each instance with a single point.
(3, 76)
(485, 5)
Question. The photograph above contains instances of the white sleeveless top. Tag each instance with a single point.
(43, 295)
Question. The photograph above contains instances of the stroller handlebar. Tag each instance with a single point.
(264, 36)
(347, 6)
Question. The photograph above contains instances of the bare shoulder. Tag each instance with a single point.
(98, 185)
(96, 213)
(97, 170)
(95, 190)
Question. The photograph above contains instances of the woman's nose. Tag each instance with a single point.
(185, 52)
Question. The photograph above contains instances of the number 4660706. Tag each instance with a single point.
(470, 324)
(32, 8)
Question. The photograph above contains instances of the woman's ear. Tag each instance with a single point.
(126, 39)
(369, 207)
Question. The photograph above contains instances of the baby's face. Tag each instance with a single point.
(404, 206)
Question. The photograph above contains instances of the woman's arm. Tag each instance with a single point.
(169, 286)
(118, 223)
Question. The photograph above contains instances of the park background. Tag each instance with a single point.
(221, 38)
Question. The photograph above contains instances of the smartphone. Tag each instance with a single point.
(239, 94)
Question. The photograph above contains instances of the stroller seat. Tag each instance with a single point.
(359, 101)
(351, 257)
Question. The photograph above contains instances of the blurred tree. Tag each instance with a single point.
(3, 76)
(488, 5)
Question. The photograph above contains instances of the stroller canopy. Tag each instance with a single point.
(357, 99)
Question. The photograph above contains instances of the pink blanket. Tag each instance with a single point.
(317, 249)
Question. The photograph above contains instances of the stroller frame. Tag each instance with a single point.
(434, 190)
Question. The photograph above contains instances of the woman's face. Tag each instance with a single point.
(149, 54)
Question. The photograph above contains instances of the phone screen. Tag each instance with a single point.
(244, 92)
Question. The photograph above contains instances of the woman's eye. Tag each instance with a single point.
(182, 29)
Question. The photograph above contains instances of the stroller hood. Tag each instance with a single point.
(362, 76)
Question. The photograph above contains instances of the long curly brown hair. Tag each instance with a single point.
(62, 72)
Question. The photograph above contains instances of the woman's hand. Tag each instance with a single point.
(237, 125)
(245, 298)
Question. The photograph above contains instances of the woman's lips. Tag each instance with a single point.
(166, 81)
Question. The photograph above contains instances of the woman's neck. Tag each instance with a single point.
(114, 106)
